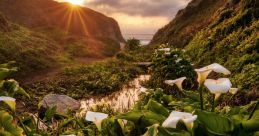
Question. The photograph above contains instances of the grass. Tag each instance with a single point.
(85, 81)
(232, 42)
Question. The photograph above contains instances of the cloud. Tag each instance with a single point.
(167, 8)
(138, 16)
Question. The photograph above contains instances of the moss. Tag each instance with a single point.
(31, 50)
(233, 43)
(248, 78)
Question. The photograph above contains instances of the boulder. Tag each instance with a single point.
(62, 102)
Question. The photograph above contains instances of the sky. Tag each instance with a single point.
(138, 16)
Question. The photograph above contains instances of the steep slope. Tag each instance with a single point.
(75, 20)
(197, 15)
(232, 40)
(31, 50)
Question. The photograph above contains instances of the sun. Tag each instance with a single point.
(76, 2)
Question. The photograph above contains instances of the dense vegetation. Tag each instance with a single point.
(231, 40)
(189, 21)
(41, 49)
(170, 66)
(181, 100)
(200, 114)
(22, 45)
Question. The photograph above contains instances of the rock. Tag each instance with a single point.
(62, 102)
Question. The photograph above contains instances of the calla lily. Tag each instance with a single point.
(9, 101)
(96, 118)
(178, 60)
(233, 90)
(176, 116)
(178, 82)
(143, 89)
(164, 49)
(205, 71)
(167, 53)
(217, 87)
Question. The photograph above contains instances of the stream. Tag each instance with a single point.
(121, 100)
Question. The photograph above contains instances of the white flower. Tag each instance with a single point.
(9, 101)
(143, 89)
(178, 60)
(176, 116)
(205, 71)
(233, 90)
(96, 118)
(217, 87)
(164, 49)
(167, 53)
(178, 82)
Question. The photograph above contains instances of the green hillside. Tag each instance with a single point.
(196, 16)
(227, 33)
(31, 50)
(232, 40)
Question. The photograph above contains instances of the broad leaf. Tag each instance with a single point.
(4, 72)
(214, 123)
(157, 108)
(9, 101)
(157, 130)
(21, 91)
(6, 125)
(253, 123)
(145, 118)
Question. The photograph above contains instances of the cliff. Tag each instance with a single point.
(74, 20)
(197, 15)
(221, 31)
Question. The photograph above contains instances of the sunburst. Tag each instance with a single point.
(76, 2)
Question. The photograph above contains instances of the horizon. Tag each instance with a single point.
(152, 16)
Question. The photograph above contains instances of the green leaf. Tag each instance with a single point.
(214, 123)
(111, 127)
(152, 131)
(21, 91)
(11, 104)
(50, 113)
(6, 125)
(157, 130)
(167, 99)
(4, 72)
(9, 101)
(253, 123)
(144, 118)
(157, 108)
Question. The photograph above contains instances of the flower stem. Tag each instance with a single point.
(213, 103)
(201, 97)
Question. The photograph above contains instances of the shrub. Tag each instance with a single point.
(132, 44)
(169, 67)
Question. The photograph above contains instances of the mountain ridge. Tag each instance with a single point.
(42, 13)
(231, 39)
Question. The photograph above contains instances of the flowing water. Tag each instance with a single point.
(121, 100)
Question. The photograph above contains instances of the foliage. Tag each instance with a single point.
(188, 22)
(100, 78)
(171, 66)
(132, 44)
(7, 126)
(31, 50)
(231, 41)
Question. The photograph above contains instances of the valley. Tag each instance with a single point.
(66, 69)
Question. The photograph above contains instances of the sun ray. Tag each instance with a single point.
(76, 2)
(82, 23)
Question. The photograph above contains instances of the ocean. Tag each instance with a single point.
(144, 38)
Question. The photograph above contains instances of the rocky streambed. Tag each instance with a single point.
(121, 100)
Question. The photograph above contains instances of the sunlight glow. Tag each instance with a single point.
(76, 2)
